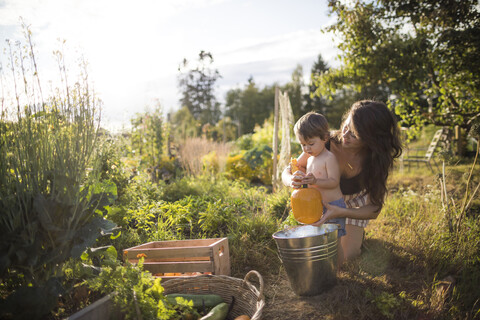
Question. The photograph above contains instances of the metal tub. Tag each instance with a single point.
(309, 255)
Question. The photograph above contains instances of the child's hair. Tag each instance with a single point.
(312, 125)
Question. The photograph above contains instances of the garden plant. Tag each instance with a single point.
(74, 196)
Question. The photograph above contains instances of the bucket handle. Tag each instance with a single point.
(260, 279)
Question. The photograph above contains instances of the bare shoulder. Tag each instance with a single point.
(330, 156)
(330, 153)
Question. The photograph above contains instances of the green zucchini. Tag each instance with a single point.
(199, 300)
(219, 312)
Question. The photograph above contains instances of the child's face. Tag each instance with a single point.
(313, 146)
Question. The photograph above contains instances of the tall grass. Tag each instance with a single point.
(428, 225)
(198, 155)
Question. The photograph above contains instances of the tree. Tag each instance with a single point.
(147, 135)
(197, 87)
(184, 125)
(250, 106)
(312, 101)
(294, 90)
(424, 53)
(333, 108)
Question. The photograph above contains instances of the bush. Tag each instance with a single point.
(254, 165)
(50, 206)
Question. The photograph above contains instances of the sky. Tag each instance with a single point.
(134, 48)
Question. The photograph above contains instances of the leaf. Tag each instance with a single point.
(47, 211)
(88, 234)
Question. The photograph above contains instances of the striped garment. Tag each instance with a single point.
(356, 200)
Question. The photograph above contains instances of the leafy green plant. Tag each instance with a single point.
(217, 218)
(50, 207)
(109, 165)
(137, 294)
(179, 189)
(387, 303)
(253, 165)
(147, 137)
(140, 190)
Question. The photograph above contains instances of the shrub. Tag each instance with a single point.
(49, 205)
(138, 294)
(254, 165)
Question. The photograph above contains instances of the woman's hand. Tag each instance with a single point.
(332, 212)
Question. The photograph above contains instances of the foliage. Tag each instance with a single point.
(251, 106)
(294, 89)
(147, 137)
(254, 161)
(417, 224)
(140, 190)
(137, 293)
(51, 210)
(197, 88)
(109, 165)
(225, 130)
(184, 125)
(313, 102)
(419, 54)
(254, 165)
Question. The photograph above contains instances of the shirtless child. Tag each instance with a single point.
(322, 171)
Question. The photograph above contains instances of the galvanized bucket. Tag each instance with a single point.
(309, 255)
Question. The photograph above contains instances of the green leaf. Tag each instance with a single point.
(86, 236)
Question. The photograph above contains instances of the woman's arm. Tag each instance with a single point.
(292, 179)
(368, 211)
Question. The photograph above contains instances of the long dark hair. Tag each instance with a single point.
(376, 126)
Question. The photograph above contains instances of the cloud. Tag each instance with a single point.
(134, 48)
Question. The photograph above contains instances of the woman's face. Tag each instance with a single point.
(349, 135)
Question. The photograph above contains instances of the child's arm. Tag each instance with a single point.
(302, 162)
(332, 173)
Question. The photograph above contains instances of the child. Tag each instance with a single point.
(322, 168)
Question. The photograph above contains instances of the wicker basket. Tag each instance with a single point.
(248, 299)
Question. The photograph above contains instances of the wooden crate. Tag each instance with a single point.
(183, 258)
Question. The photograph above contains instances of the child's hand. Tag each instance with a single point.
(309, 179)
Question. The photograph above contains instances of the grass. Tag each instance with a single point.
(412, 266)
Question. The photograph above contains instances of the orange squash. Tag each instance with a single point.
(293, 165)
(307, 204)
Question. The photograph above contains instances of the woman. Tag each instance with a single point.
(365, 147)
